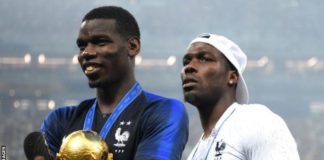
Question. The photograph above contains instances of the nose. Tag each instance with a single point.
(88, 53)
(189, 68)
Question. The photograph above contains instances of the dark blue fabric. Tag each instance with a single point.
(161, 131)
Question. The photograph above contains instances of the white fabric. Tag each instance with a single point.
(202, 148)
(250, 132)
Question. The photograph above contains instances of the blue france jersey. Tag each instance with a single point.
(151, 127)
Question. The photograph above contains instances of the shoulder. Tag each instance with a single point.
(54, 124)
(164, 128)
(61, 112)
(264, 131)
(253, 109)
(157, 99)
(256, 119)
(266, 134)
(160, 104)
(162, 110)
(257, 123)
(66, 112)
(259, 115)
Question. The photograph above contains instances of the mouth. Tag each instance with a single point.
(188, 83)
(91, 68)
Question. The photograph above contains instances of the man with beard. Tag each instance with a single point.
(134, 123)
(233, 130)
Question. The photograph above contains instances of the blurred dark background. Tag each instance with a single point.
(282, 38)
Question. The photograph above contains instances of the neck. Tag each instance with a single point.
(210, 114)
(109, 97)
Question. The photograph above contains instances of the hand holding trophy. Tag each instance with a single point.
(85, 145)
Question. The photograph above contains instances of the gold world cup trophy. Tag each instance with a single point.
(85, 145)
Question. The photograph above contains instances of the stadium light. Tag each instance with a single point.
(263, 61)
(41, 59)
(27, 58)
(75, 59)
(138, 60)
(171, 60)
(51, 104)
(16, 104)
(312, 62)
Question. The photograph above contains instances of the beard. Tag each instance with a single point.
(111, 80)
(193, 99)
(190, 98)
(104, 82)
(203, 98)
(93, 85)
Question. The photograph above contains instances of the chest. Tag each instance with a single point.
(228, 144)
(218, 149)
(124, 135)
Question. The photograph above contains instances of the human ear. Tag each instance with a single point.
(134, 46)
(233, 78)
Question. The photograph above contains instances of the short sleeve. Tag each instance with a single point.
(165, 131)
(53, 127)
(271, 140)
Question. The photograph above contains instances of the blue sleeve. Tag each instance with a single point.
(52, 128)
(165, 132)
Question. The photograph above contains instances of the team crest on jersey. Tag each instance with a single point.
(122, 136)
(220, 146)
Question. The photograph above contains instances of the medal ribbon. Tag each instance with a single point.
(131, 95)
(213, 135)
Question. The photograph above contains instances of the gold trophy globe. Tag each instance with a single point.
(84, 145)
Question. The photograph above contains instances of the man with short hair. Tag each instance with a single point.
(134, 123)
(233, 130)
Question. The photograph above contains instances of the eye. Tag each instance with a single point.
(202, 58)
(81, 48)
(81, 45)
(101, 42)
(186, 61)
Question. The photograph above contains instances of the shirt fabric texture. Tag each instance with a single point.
(157, 128)
(247, 132)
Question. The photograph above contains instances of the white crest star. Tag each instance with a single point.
(129, 123)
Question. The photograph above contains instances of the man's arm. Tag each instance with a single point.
(52, 128)
(165, 131)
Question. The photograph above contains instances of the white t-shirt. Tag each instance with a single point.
(247, 132)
